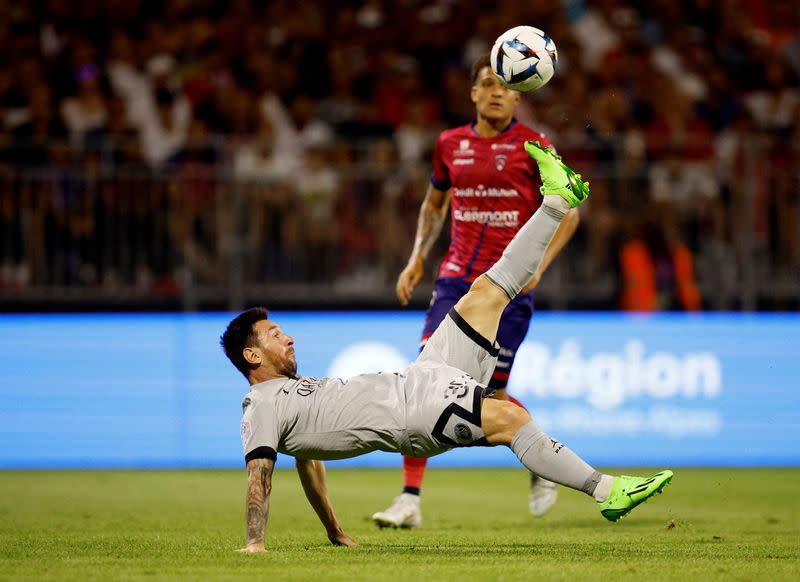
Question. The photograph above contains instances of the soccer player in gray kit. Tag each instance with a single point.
(438, 403)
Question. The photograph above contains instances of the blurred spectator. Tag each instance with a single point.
(87, 109)
(118, 141)
(13, 269)
(738, 173)
(415, 136)
(656, 269)
(592, 30)
(163, 133)
(259, 160)
(13, 101)
(317, 187)
(306, 129)
(682, 59)
(339, 106)
(680, 148)
(161, 81)
(486, 30)
(125, 76)
(278, 132)
(774, 106)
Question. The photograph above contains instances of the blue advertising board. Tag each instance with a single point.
(155, 390)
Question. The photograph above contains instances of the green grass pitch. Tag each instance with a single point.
(720, 524)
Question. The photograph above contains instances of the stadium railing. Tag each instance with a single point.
(200, 234)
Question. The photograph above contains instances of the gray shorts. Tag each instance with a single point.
(445, 387)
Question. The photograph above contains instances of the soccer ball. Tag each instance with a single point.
(524, 58)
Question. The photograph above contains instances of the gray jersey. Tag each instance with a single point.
(434, 406)
(328, 418)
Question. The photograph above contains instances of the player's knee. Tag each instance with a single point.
(515, 417)
(504, 421)
(489, 293)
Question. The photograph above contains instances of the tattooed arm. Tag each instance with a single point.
(259, 486)
(432, 215)
(312, 476)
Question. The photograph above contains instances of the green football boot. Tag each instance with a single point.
(628, 492)
(558, 179)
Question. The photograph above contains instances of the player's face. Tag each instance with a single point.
(275, 348)
(492, 100)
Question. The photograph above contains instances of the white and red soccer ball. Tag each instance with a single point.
(524, 58)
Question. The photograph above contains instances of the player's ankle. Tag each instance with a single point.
(603, 488)
(556, 203)
(411, 490)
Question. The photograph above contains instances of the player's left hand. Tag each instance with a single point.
(340, 538)
(252, 549)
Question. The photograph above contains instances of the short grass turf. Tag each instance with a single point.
(101, 525)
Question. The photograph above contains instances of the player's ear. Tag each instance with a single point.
(251, 356)
(517, 95)
(473, 93)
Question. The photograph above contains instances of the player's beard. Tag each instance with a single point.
(283, 364)
(290, 367)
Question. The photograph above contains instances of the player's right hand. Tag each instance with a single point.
(342, 539)
(409, 279)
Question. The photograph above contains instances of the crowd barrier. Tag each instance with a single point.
(155, 390)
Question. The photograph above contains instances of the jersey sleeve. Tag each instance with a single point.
(440, 178)
(260, 434)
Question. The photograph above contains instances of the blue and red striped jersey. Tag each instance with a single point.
(494, 190)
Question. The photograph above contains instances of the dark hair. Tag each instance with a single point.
(480, 62)
(239, 335)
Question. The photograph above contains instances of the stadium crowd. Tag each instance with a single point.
(141, 141)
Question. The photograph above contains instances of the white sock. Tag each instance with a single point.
(556, 202)
(603, 488)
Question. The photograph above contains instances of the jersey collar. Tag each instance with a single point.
(507, 128)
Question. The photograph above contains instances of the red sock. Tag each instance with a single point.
(413, 472)
(518, 403)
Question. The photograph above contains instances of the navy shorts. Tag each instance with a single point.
(513, 324)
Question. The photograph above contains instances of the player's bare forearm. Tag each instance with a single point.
(429, 226)
(315, 485)
(563, 234)
(259, 487)
(432, 214)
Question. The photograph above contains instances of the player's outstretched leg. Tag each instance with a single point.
(543, 493)
(504, 423)
(562, 189)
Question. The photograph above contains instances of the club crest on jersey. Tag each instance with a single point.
(463, 433)
(500, 161)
